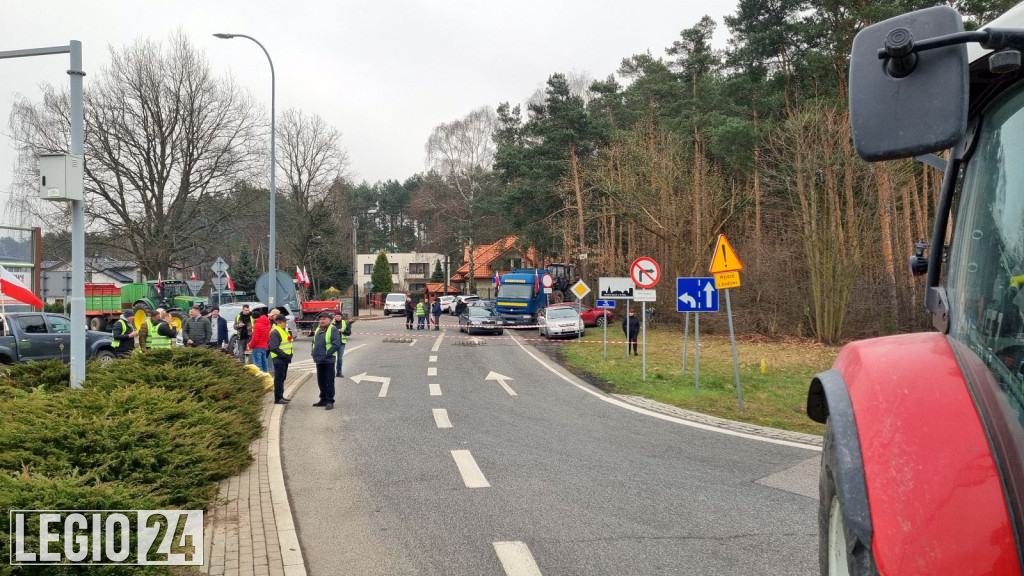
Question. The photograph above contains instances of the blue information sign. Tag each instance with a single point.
(696, 295)
(606, 303)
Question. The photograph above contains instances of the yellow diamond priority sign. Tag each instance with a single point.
(580, 289)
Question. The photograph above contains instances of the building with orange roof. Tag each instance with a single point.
(488, 259)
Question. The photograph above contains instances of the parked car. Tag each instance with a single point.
(591, 316)
(463, 300)
(231, 311)
(394, 303)
(41, 336)
(489, 304)
(559, 321)
(448, 304)
(480, 319)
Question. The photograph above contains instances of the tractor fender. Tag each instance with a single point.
(936, 503)
(829, 398)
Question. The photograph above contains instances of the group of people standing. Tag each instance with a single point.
(419, 310)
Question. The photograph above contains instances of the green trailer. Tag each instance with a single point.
(172, 295)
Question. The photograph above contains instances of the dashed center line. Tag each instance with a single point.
(516, 559)
(471, 474)
(432, 371)
(435, 389)
(437, 343)
(441, 418)
(433, 359)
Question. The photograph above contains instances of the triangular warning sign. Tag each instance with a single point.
(725, 259)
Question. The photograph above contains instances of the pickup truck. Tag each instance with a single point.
(26, 336)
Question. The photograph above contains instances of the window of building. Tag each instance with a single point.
(367, 269)
(418, 269)
(394, 269)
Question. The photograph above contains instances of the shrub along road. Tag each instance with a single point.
(457, 470)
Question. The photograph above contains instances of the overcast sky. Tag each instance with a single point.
(383, 72)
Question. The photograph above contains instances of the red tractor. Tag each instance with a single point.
(922, 470)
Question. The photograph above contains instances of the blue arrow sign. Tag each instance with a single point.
(606, 303)
(696, 295)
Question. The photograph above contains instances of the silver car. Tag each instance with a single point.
(559, 321)
(231, 311)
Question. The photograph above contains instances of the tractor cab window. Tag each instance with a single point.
(519, 291)
(985, 279)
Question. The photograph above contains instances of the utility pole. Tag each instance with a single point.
(355, 267)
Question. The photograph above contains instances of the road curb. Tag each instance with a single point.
(287, 537)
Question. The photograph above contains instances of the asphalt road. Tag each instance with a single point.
(551, 480)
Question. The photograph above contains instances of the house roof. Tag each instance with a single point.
(438, 287)
(484, 256)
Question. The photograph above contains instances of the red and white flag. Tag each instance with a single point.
(160, 283)
(231, 283)
(12, 287)
(305, 277)
(298, 275)
(193, 275)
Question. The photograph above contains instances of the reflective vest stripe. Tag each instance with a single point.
(286, 344)
(124, 330)
(327, 338)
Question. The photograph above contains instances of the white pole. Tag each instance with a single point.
(643, 329)
(686, 336)
(696, 352)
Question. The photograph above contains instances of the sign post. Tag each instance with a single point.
(605, 305)
(686, 337)
(580, 289)
(614, 288)
(695, 295)
(645, 273)
(726, 265)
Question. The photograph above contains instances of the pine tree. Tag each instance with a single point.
(438, 275)
(381, 276)
(244, 273)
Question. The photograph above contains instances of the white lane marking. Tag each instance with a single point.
(441, 418)
(433, 359)
(383, 380)
(437, 343)
(413, 343)
(384, 388)
(666, 417)
(471, 474)
(516, 559)
(501, 380)
(351, 348)
(435, 389)
(432, 371)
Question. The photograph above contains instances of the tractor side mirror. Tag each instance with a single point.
(905, 102)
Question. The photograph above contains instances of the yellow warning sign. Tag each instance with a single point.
(727, 280)
(725, 259)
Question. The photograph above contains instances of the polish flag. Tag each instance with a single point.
(231, 283)
(10, 286)
(160, 283)
(305, 277)
(298, 275)
(193, 275)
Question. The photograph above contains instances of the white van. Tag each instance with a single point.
(394, 304)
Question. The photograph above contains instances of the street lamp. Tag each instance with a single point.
(272, 288)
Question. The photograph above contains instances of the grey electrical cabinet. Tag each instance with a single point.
(61, 176)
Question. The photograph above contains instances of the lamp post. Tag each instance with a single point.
(272, 264)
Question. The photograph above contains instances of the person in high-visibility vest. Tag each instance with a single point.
(280, 347)
(326, 342)
(421, 315)
(148, 329)
(162, 334)
(345, 329)
(124, 334)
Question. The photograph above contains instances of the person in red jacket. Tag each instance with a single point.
(260, 337)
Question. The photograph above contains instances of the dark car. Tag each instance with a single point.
(481, 319)
(591, 316)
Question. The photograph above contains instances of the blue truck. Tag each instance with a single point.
(520, 296)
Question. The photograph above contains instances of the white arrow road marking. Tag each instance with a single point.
(501, 380)
(435, 389)
(471, 474)
(441, 418)
(437, 343)
(708, 290)
(432, 371)
(688, 300)
(383, 380)
(413, 343)
(516, 559)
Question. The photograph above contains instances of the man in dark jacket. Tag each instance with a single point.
(218, 330)
(124, 334)
(196, 330)
(631, 326)
(326, 343)
(280, 347)
(410, 311)
(243, 332)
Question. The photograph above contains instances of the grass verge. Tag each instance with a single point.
(153, 431)
(774, 375)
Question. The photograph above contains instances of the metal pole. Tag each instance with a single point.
(355, 266)
(579, 302)
(696, 353)
(605, 324)
(735, 361)
(77, 224)
(643, 329)
(627, 327)
(272, 264)
(686, 337)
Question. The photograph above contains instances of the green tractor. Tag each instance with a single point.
(173, 295)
